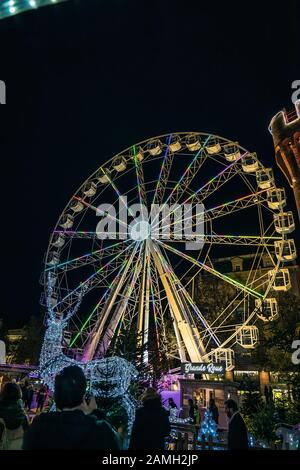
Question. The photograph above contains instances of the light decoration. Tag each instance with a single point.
(113, 371)
(176, 420)
(208, 428)
(251, 440)
(13, 7)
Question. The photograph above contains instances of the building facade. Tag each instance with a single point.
(285, 130)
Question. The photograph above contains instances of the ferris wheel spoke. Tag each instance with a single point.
(247, 240)
(163, 174)
(130, 313)
(89, 325)
(102, 279)
(142, 193)
(88, 258)
(118, 282)
(189, 172)
(120, 311)
(140, 178)
(233, 282)
(92, 235)
(208, 188)
(235, 205)
(225, 209)
(80, 234)
(234, 305)
(195, 309)
(232, 337)
(213, 271)
(158, 311)
(85, 325)
(214, 183)
(189, 175)
(98, 212)
(92, 277)
(190, 307)
(143, 309)
(185, 335)
(106, 174)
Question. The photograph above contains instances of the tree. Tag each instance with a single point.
(29, 348)
(274, 350)
(262, 423)
(129, 346)
(275, 346)
(110, 406)
(252, 398)
(212, 296)
(208, 430)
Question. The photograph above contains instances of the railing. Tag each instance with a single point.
(186, 438)
(17, 367)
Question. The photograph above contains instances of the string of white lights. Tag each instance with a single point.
(14, 7)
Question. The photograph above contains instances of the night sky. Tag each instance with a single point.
(88, 78)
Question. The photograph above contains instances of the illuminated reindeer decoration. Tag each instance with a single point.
(115, 371)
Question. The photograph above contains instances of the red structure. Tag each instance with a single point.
(285, 130)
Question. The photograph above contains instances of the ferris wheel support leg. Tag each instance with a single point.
(146, 316)
(143, 312)
(181, 349)
(120, 312)
(183, 326)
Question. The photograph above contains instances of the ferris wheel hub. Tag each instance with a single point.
(140, 231)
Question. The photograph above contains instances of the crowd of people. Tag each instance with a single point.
(33, 397)
(77, 423)
(194, 410)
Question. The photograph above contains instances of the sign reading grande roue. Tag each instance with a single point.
(203, 368)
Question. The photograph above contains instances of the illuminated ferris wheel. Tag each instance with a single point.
(131, 242)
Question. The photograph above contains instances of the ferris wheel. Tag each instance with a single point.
(117, 268)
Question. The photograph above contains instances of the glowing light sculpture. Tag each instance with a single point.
(113, 371)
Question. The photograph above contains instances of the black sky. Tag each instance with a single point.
(87, 78)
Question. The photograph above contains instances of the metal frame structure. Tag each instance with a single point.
(138, 287)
